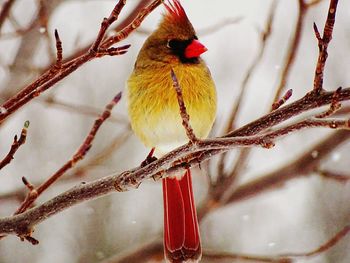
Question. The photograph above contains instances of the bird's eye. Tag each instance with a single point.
(172, 43)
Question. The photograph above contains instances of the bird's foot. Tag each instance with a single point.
(149, 159)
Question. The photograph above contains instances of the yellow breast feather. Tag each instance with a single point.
(153, 106)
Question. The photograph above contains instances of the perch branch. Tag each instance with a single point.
(23, 223)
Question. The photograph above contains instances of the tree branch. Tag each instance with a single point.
(304, 165)
(34, 193)
(22, 224)
(52, 76)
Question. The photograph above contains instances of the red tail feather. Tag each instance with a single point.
(181, 233)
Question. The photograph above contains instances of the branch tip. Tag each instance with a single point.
(27, 183)
(283, 100)
(317, 33)
(59, 51)
(117, 98)
(16, 144)
(57, 37)
(26, 124)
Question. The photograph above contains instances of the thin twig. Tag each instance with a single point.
(264, 36)
(333, 175)
(80, 109)
(59, 54)
(15, 146)
(283, 100)
(333, 108)
(114, 145)
(106, 23)
(183, 112)
(22, 65)
(234, 257)
(323, 45)
(305, 165)
(154, 250)
(300, 167)
(292, 50)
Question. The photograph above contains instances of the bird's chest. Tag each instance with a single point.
(154, 110)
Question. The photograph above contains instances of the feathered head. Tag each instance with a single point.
(175, 37)
(175, 11)
(176, 20)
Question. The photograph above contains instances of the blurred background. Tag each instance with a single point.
(297, 215)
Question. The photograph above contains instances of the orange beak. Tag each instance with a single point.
(195, 49)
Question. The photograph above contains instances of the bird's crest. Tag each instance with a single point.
(175, 11)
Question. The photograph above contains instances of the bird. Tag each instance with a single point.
(156, 120)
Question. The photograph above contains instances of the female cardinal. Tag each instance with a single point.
(155, 117)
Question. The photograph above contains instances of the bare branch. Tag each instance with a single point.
(112, 51)
(283, 100)
(122, 34)
(333, 108)
(148, 252)
(323, 44)
(302, 166)
(59, 50)
(80, 109)
(52, 76)
(106, 23)
(184, 115)
(79, 155)
(264, 36)
(21, 67)
(22, 224)
(234, 257)
(292, 49)
(15, 146)
(333, 175)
